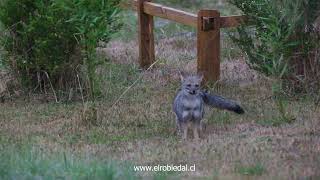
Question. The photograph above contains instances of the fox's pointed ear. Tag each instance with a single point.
(182, 76)
(200, 76)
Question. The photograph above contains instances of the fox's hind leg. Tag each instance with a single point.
(203, 127)
(196, 127)
(184, 128)
(178, 126)
(181, 128)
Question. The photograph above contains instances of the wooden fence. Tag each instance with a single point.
(207, 22)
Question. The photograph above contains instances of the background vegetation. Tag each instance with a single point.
(48, 42)
(283, 41)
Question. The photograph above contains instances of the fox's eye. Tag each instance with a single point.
(197, 85)
(189, 85)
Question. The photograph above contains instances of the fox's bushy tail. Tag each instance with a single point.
(221, 103)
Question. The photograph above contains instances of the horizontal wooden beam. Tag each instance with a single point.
(169, 13)
(182, 17)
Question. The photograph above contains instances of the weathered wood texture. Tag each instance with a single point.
(146, 39)
(208, 44)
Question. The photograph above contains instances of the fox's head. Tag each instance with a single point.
(191, 83)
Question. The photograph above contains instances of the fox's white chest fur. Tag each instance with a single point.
(192, 108)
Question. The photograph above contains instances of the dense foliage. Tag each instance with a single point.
(50, 39)
(282, 36)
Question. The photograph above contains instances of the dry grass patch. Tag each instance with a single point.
(139, 128)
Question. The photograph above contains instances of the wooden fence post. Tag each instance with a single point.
(208, 44)
(146, 39)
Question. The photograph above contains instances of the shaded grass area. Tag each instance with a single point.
(31, 162)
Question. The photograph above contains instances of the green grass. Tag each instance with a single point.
(42, 113)
(164, 175)
(221, 117)
(1, 49)
(97, 135)
(254, 170)
(281, 116)
(28, 162)
(275, 121)
(1, 60)
(115, 78)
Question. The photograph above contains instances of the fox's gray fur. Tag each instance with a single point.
(188, 105)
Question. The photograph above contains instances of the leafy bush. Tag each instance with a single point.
(282, 39)
(50, 40)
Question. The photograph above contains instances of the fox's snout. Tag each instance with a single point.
(192, 92)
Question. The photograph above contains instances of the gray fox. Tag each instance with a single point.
(188, 105)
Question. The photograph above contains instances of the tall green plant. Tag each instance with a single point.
(95, 21)
(51, 38)
(278, 39)
(280, 31)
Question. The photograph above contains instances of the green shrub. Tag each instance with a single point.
(282, 39)
(52, 39)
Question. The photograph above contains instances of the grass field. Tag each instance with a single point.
(40, 139)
